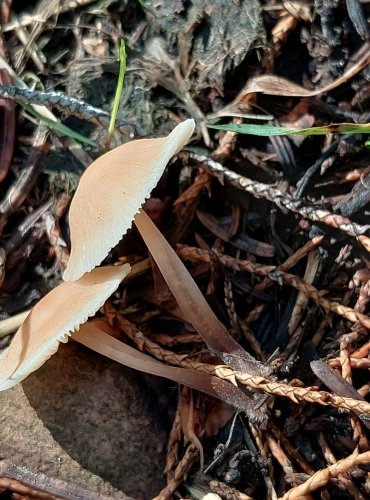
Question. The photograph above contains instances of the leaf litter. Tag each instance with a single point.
(274, 231)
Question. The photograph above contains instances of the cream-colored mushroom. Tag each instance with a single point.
(53, 319)
(111, 192)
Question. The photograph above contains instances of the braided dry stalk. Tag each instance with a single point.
(298, 394)
(363, 297)
(298, 284)
(258, 383)
(265, 455)
(171, 341)
(293, 259)
(343, 479)
(230, 304)
(64, 103)
(275, 274)
(279, 454)
(249, 336)
(290, 450)
(283, 200)
(180, 473)
(174, 439)
(363, 364)
(227, 491)
(194, 254)
(255, 313)
(363, 351)
(345, 362)
(143, 343)
(359, 436)
(321, 477)
(326, 451)
(263, 384)
(364, 390)
(290, 262)
(199, 255)
(346, 482)
(299, 312)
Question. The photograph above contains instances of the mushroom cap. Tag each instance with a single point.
(110, 193)
(53, 319)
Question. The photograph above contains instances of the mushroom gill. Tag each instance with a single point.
(110, 193)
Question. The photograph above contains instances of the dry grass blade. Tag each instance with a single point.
(275, 85)
(300, 307)
(43, 12)
(174, 443)
(9, 325)
(30, 19)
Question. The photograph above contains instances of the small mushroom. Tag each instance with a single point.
(111, 192)
(108, 197)
(53, 319)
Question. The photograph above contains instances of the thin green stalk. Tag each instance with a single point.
(269, 130)
(119, 88)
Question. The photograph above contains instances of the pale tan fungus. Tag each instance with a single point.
(53, 319)
(110, 193)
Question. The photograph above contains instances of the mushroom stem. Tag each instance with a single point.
(192, 301)
(99, 341)
(10, 325)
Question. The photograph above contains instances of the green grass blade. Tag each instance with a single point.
(119, 88)
(59, 127)
(269, 130)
